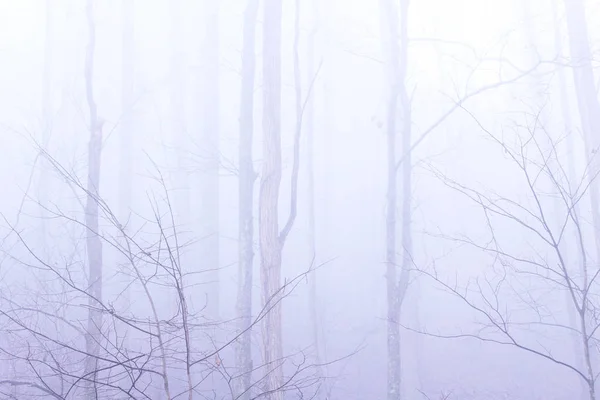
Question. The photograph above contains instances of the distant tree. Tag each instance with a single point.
(127, 129)
(127, 132)
(310, 170)
(398, 104)
(177, 113)
(587, 99)
(93, 335)
(208, 143)
(46, 112)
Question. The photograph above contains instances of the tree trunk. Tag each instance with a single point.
(209, 152)
(46, 121)
(589, 112)
(127, 129)
(243, 349)
(178, 121)
(398, 102)
(587, 101)
(326, 127)
(269, 239)
(181, 140)
(568, 130)
(94, 245)
(312, 242)
(126, 135)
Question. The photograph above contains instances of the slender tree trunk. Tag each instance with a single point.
(393, 330)
(126, 135)
(46, 121)
(398, 103)
(94, 245)
(587, 353)
(328, 127)
(247, 177)
(269, 239)
(589, 112)
(406, 119)
(568, 128)
(587, 101)
(127, 128)
(177, 115)
(325, 225)
(312, 242)
(47, 77)
(180, 138)
(209, 153)
(44, 167)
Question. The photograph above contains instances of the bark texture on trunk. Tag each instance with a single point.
(247, 177)
(93, 336)
(269, 239)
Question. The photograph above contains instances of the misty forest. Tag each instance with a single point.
(300, 199)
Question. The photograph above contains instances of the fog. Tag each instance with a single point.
(317, 199)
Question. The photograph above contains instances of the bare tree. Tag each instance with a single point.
(527, 281)
(111, 349)
(246, 181)
(394, 23)
(162, 360)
